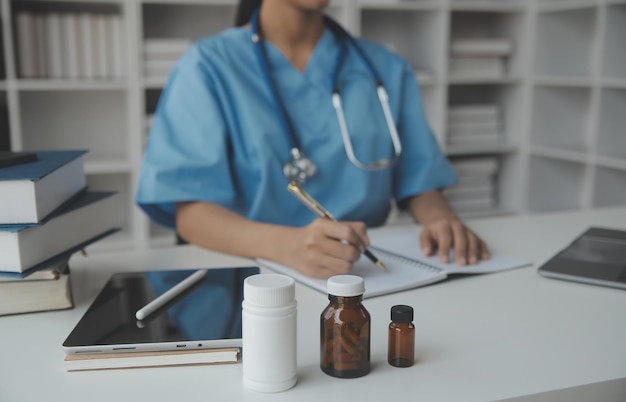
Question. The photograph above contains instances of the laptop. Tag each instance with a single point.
(597, 257)
(206, 315)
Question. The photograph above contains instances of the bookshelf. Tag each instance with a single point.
(555, 94)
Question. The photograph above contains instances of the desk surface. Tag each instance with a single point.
(487, 337)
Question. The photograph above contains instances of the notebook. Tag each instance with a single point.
(596, 256)
(407, 266)
(104, 361)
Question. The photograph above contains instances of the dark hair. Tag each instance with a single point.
(245, 10)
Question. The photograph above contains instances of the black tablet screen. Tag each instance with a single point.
(598, 256)
(208, 310)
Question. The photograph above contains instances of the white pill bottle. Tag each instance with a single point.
(269, 333)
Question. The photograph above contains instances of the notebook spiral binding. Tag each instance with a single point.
(407, 260)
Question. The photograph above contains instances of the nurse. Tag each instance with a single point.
(289, 95)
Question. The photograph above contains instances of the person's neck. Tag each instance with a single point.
(294, 31)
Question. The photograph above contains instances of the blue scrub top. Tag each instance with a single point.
(217, 134)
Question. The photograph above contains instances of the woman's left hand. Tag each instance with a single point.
(441, 235)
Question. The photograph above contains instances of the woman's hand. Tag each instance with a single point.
(325, 248)
(441, 235)
(321, 249)
(444, 230)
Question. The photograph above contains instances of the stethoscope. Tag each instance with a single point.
(301, 168)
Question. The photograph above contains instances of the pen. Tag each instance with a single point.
(322, 212)
(160, 301)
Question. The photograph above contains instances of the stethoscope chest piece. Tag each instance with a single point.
(300, 168)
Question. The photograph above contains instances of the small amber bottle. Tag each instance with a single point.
(401, 337)
(345, 329)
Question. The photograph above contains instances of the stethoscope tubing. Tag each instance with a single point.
(383, 97)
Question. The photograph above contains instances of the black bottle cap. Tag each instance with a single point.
(402, 313)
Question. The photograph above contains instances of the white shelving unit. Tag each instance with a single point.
(577, 146)
(561, 96)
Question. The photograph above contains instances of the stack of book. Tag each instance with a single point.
(474, 125)
(475, 190)
(479, 57)
(69, 45)
(46, 215)
(161, 55)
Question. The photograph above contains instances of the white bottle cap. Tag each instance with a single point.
(345, 285)
(271, 290)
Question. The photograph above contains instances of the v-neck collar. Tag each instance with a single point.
(318, 71)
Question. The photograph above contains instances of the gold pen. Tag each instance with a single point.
(322, 212)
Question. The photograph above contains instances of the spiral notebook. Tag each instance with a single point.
(407, 267)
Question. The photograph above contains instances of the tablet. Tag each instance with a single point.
(206, 315)
(597, 256)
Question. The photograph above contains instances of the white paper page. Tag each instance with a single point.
(407, 245)
(400, 275)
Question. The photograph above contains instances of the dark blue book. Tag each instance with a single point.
(8, 158)
(33, 190)
(24, 247)
(53, 261)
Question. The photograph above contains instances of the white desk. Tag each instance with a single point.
(478, 338)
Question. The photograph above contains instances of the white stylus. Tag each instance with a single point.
(160, 301)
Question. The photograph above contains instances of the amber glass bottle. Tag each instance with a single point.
(401, 337)
(345, 329)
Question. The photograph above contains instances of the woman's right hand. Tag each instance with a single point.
(321, 249)
(325, 248)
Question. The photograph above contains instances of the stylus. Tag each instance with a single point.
(160, 301)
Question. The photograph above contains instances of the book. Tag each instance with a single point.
(454, 194)
(26, 44)
(48, 270)
(477, 132)
(159, 68)
(473, 113)
(102, 45)
(165, 48)
(118, 61)
(474, 205)
(41, 65)
(53, 45)
(8, 158)
(471, 181)
(477, 66)
(24, 246)
(31, 191)
(407, 267)
(102, 361)
(47, 290)
(474, 128)
(35, 270)
(481, 47)
(474, 140)
(485, 166)
(69, 45)
(87, 49)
